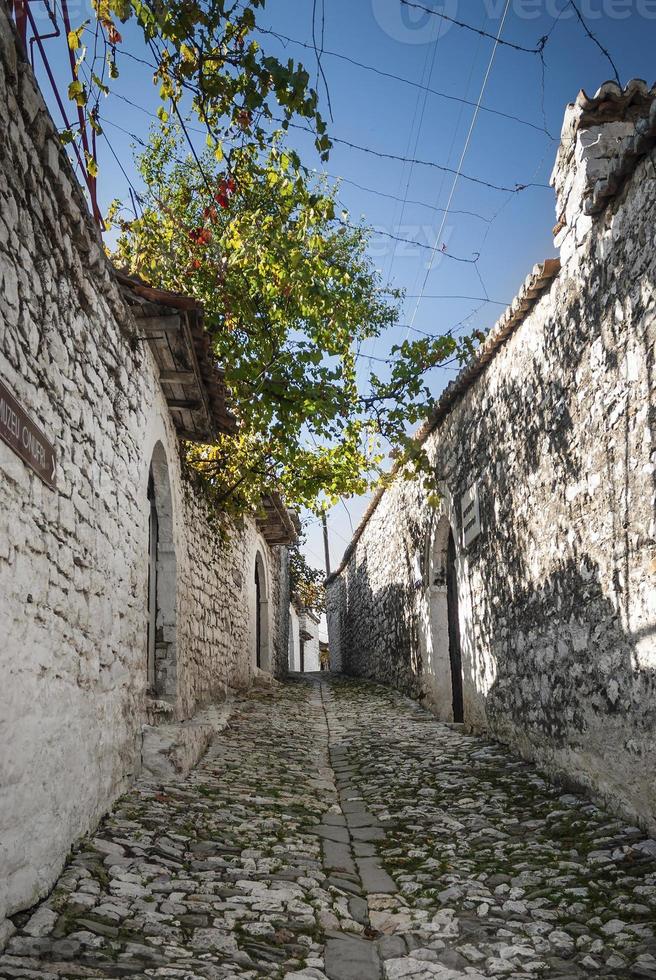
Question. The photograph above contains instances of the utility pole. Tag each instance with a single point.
(326, 549)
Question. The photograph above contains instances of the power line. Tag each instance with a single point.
(343, 180)
(153, 115)
(133, 189)
(410, 241)
(417, 119)
(494, 302)
(477, 30)
(416, 144)
(409, 81)
(121, 129)
(458, 172)
(422, 163)
(319, 50)
(461, 109)
(595, 39)
(394, 197)
(134, 57)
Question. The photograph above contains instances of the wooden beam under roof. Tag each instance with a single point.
(161, 324)
(192, 383)
(177, 377)
(191, 404)
(275, 522)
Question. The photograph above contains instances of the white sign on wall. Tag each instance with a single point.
(471, 516)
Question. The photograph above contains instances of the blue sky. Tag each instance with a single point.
(511, 231)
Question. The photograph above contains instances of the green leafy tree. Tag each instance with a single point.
(306, 582)
(205, 58)
(290, 295)
(289, 291)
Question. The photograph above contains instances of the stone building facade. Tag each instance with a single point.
(303, 638)
(123, 605)
(525, 603)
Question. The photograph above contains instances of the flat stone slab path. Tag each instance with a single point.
(336, 831)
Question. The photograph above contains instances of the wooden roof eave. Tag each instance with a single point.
(201, 412)
(275, 523)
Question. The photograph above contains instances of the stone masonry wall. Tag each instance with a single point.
(557, 596)
(73, 561)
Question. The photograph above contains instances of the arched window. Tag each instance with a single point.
(444, 651)
(261, 625)
(162, 634)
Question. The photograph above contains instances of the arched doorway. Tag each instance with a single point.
(444, 656)
(455, 654)
(261, 626)
(258, 616)
(161, 612)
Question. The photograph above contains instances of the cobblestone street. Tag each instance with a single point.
(335, 829)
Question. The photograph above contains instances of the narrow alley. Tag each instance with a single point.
(335, 829)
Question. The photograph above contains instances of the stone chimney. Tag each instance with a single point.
(602, 140)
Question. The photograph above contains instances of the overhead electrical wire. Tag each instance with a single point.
(133, 189)
(342, 179)
(486, 299)
(415, 150)
(458, 173)
(415, 127)
(456, 130)
(393, 197)
(477, 30)
(422, 163)
(410, 241)
(595, 40)
(408, 81)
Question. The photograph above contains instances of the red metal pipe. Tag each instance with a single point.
(91, 181)
(21, 10)
(60, 104)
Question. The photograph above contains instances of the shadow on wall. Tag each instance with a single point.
(261, 625)
(162, 582)
(572, 687)
(381, 634)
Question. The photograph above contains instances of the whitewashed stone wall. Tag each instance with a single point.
(294, 640)
(557, 595)
(311, 659)
(303, 623)
(73, 561)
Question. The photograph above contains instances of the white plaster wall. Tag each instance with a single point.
(294, 639)
(311, 654)
(312, 661)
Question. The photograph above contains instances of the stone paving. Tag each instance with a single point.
(336, 830)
